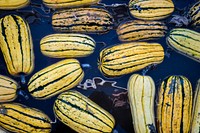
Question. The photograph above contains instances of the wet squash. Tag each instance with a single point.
(129, 57)
(13, 4)
(21, 119)
(67, 45)
(81, 114)
(16, 45)
(174, 110)
(82, 20)
(185, 42)
(8, 89)
(138, 30)
(195, 127)
(69, 3)
(151, 9)
(141, 95)
(194, 14)
(55, 79)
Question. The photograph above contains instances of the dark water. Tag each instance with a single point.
(103, 93)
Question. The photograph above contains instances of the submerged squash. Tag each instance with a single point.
(67, 45)
(68, 3)
(185, 42)
(13, 4)
(151, 9)
(174, 109)
(194, 14)
(141, 94)
(195, 128)
(138, 30)
(21, 119)
(8, 89)
(16, 45)
(55, 79)
(82, 20)
(81, 114)
(129, 57)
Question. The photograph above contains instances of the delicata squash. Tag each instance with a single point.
(81, 114)
(67, 45)
(8, 89)
(69, 3)
(82, 20)
(195, 127)
(174, 110)
(141, 95)
(16, 45)
(126, 58)
(19, 118)
(13, 4)
(55, 79)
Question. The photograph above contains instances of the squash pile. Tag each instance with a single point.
(75, 22)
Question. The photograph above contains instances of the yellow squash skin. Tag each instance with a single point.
(129, 57)
(69, 3)
(13, 4)
(174, 110)
(141, 95)
(195, 127)
(138, 30)
(194, 14)
(82, 20)
(55, 79)
(185, 42)
(21, 119)
(151, 9)
(8, 89)
(16, 45)
(81, 114)
(67, 45)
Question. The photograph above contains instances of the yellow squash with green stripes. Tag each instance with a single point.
(8, 89)
(69, 3)
(81, 114)
(185, 42)
(141, 95)
(82, 20)
(129, 57)
(195, 127)
(151, 9)
(13, 4)
(67, 45)
(18, 118)
(16, 45)
(174, 110)
(55, 79)
(138, 30)
(194, 14)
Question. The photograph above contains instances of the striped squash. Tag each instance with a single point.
(55, 79)
(21, 119)
(82, 20)
(195, 127)
(81, 114)
(69, 3)
(141, 95)
(194, 14)
(13, 4)
(67, 45)
(16, 45)
(8, 89)
(151, 9)
(138, 30)
(185, 42)
(129, 57)
(174, 110)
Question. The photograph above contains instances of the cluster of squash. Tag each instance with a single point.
(176, 112)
